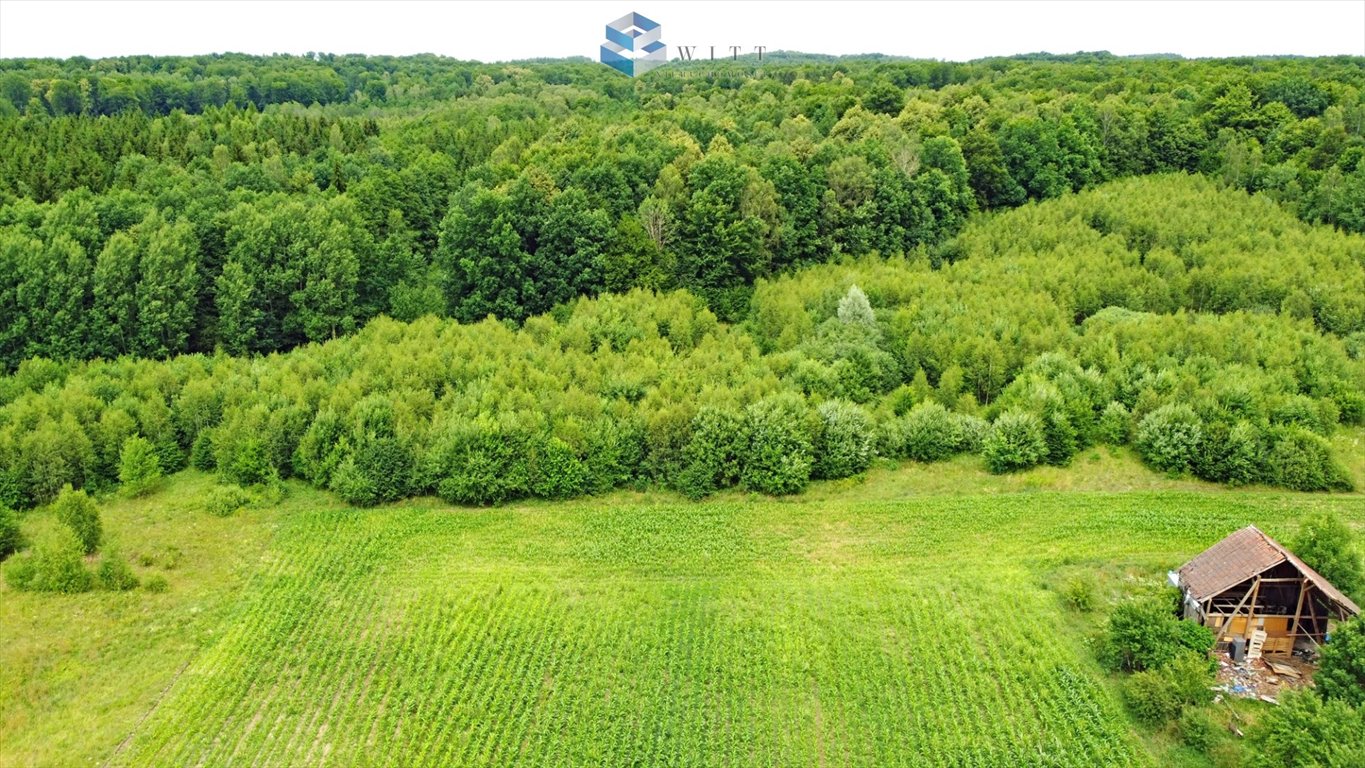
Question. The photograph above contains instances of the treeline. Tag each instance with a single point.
(834, 366)
(510, 188)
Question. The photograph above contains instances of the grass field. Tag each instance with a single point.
(904, 620)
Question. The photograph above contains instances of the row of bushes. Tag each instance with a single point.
(57, 560)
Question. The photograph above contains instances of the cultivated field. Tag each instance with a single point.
(840, 628)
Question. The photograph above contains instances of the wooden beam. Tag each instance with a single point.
(1304, 586)
(1251, 609)
(1313, 611)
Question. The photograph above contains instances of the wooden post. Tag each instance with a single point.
(1251, 609)
(1298, 611)
(1313, 611)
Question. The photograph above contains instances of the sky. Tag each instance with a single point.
(501, 31)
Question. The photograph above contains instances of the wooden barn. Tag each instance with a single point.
(1250, 586)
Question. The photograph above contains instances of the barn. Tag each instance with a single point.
(1250, 587)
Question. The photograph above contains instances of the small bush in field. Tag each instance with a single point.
(226, 500)
(77, 511)
(114, 574)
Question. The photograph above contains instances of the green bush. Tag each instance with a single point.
(381, 471)
(1015, 442)
(1144, 633)
(246, 461)
(845, 443)
(77, 511)
(616, 451)
(968, 432)
(1305, 731)
(1341, 673)
(11, 538)
(1116, 424)
(1079, 594)
(225, 500)
(555, 471)
(1302, 461)
(1060, 436)
(1169, 438)
(55, 564)
(114, 574)
(711, 459)
(1327, 545)
(352, 485)
(1151, 697)
(201, 452)
(482, 462)
(156, 583)
(139, 469)
(777, 445)
(1197, 729)
(926, 433)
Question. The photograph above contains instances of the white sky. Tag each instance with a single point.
(498, 31)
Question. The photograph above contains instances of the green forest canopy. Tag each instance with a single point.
(833, 365)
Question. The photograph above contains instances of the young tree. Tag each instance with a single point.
(77, 511)
(139, 469)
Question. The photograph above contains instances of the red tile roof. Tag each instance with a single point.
(1242, 555)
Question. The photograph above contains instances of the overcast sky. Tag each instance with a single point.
(498, 31)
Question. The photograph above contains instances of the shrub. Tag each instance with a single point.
(1014, 442)
(225, 500)
(1231, 455)
(11, 538)
(1302, 461)
(55, 564)
(482, 462)
(12, 490)
(1157, 696)
(926, 433)
(156, 583)
(1079, 594)
(1145, 634)
(1060, 436)
(1169, 438)
(616, 452)
(246, 461)
(777, 445)
(1190, 673)
(1150, 697)
(555, 471)
(139, 469)
(352, 485)
(1326, 544)
(1116, 424)
(387, 465)
(1341, 673)
(114, 574)
(968, 432)
(1197, 729)
(711, 459)
(1304, 730)
(201, 452)
(844, 444)
(77, 511)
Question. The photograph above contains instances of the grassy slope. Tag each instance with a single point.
(902, 619)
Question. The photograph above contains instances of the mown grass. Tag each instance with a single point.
(904, 620)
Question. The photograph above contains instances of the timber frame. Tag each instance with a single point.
(1249, 583)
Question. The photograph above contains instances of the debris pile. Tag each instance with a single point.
(1262, 678)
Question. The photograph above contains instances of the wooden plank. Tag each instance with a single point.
(1304, 586)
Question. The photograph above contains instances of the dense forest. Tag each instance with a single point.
(155, 206)
(378, 274)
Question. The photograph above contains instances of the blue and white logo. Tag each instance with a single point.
(633, 45)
